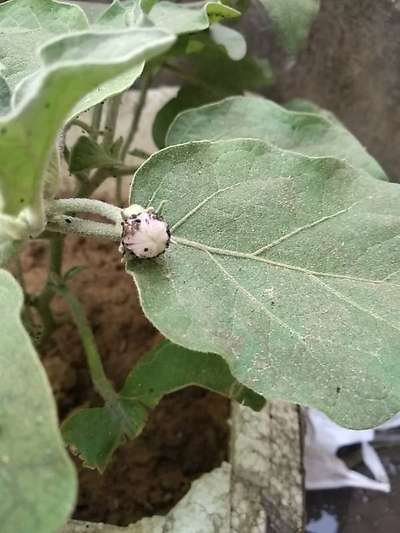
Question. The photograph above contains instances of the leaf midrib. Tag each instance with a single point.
(243, 255)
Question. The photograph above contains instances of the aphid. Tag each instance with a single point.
(144, 233)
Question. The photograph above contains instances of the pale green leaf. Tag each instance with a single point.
(252, 117)
(95, 433)
(173, 17)
(27, 24)
(189, 17)
(38, 485)
(230, 39)
(287, 266)
(292, 19)
(72, 67)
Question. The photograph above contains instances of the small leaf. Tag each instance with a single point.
(252, 117)
(95, 433)
(230, 39)
(285, 265)
(87, 154)
(293, 19)
(38, 483)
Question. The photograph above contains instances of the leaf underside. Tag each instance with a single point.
(38, 485)
(96, 432)
(285, 265)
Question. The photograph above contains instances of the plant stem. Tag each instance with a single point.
(147, 79)
(86, 205)
(81, 124)
(70, 224)
(96, 120)
(43, 301)
(111, 120)
(137, 152)
(100, 381)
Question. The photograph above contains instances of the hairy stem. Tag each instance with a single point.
(147, 79)
(86, 205)
(100, 381)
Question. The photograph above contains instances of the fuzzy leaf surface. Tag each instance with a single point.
(311, 134)
(285, 265)
(25, 25)
(38, 482)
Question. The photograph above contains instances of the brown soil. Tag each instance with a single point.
(187, 433)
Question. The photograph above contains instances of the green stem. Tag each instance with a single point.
(147, 79)
(190, 78)
(118, 191)
(100, 381)
(111, 120)
(81, 124)
(96, 120)
(69, 224)
(85, 205)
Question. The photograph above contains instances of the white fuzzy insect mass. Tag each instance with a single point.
(145, 234)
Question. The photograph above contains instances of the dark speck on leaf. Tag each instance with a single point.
(3, 131)
(146, 249)
(22, 200)
(272, 303)
(47, 105)
(338, 389)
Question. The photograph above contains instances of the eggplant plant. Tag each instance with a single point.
(262, 239)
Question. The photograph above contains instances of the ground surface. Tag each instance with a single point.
(187, 434)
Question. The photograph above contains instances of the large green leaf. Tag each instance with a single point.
(27, 24)
(252, 117)
(287, 266)
(37, 480)
(72, 67)
(293, 19)
(95, 433)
